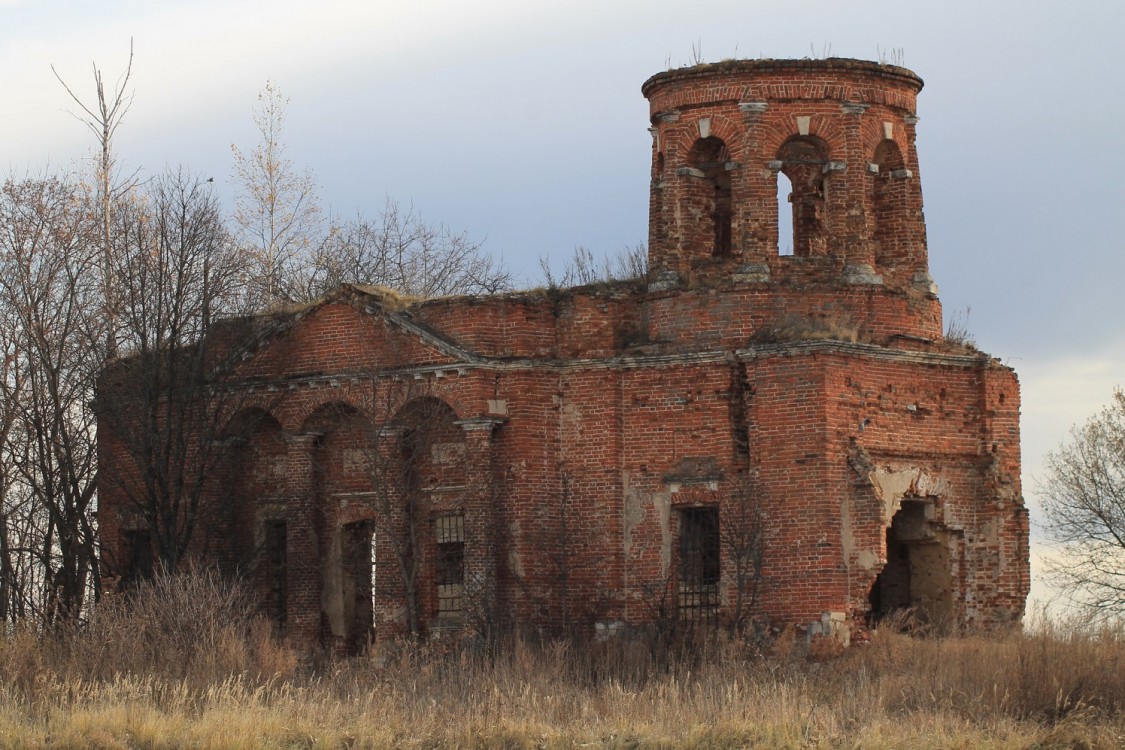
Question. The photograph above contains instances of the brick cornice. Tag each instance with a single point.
(489, 364)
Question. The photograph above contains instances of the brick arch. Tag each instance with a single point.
(423, 409)
(729, 131)
(433, 445)
(319, 416)
(256, 453)
(710, 191)
(785, 128)
(248, 420)
(344, 448)
(681, 139)
(872, 136)
(888, 154)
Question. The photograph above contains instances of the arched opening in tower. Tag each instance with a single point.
(709, 193)
(785, 229)
(802, 164)
(917, 580)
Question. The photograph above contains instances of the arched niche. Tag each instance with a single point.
(889, 201)
(350, 486)
(256, 463)
(344, 451)
(433, 446)
(257, 443)
(257, 471)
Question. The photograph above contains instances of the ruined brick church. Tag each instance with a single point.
(770, 427)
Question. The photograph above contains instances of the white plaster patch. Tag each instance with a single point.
(634, 510)
(447, 453)
(571, 420)
(891, 485)
(354, 460)
(515, 562)
(705, 127)
(889, 130)
(867, 559)
(803, 124)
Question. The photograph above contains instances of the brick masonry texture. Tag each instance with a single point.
(572, 431)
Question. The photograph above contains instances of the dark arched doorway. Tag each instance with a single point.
(917, 578)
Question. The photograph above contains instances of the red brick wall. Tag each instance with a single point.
(580, 423)
(845, 108)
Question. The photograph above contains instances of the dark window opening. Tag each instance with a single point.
(136, 557)
(721, 217)
(450, 568)
(712, 194)
(276, 573)
(359, 615)
(699, 564)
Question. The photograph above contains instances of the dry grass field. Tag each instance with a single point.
(157, 676)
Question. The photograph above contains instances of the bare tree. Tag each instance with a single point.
(402, 251)
(1084, 504)
(103, 117)
(51, 329)
(277, 210)
(301, 256)
(742, 536)
(562, 540)
(162, 407)
(13, 587)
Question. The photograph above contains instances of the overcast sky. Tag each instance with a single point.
(523, 124)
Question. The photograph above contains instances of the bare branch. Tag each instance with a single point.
(103, 119)
(1084, 504)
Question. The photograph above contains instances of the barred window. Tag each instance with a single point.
(699, 564)
(276, 571)
(450, 567)
(136, 557)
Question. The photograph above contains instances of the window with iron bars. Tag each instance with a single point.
(276, 572)
(136, 557)
(698, 590)
(450, 568)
